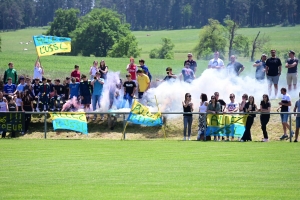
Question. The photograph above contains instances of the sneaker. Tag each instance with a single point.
(295, 140)
(189, 138)
(184, 138)
(242, 141)
(265, 140)
(284, 137)
(37, 110)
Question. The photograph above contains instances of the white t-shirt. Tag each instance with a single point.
(93, 70)
(232, 106)
(213, 62)
(3, 106)
(19, 102)
(285, 99)
(38, 73)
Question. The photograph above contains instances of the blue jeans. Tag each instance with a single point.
(95, 101)
(187, 123)
(127, 97)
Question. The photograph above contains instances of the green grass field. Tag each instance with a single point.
(93, 169)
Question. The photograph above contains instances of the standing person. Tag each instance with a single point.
(292, 73)
(221, 101)
(216, 62)
(10, 73)
(260, 65)
(93, 70)
(202, 117)
(59, 95)
(9, 88)
(38, 71)
(12, 107)
(285, 107)
(249, 107)
(97, 83)
(76, 73)
(44, 93)
(27, 105)
(234, 68)
(214, 107)
(74, 89)
(187, 118)
(129, 91)
(243, 103)
(66, 84)
(232, 107)
(187, 73)
(85, 93)
(132, 69)
(28, 86)
(145, 68)
(265, 107)
(3, 108)
(297, 109)
(36, 93)
(273, 71)
(103, 69)
(143, 83)
(193, 64)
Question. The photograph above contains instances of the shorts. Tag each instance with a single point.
(273, 79)
(297, 122)
(284, 117)
(86, 100)
(291, 77)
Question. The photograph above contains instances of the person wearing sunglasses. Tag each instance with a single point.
(273, 71)
(265, 107)
(202, 117)
(214, 107)
(188, 116)
(232, 107)
(216, 62)
(249, 107)
(193, 64)
(260, 65)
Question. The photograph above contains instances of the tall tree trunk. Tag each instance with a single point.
(254, 46)
(232, 34)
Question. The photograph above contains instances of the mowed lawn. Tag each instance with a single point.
(93, 169)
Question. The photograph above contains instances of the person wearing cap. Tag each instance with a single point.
(273, 71)
(36, 93)
(187, 73)
(216, 62)
(21, 85)
(193, 64)
(12, 73)
(145, 68)
(129, 91)
(97, 84)
(143, 83)
(234, 68)
(76, 73)
(9, 88)
(292, 73)
(38, 71)
(132, 69)
(59, 95)
(260, 68)
(44, 93)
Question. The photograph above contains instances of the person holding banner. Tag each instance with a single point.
(249, 107)
(265, 107)
(202, 117)
(232, 107)
(214, 107)
(187, 118)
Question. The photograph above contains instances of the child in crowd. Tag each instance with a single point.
(19, 96)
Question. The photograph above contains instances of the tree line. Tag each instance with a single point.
(156, 14)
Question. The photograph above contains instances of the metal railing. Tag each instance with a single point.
(45, 114)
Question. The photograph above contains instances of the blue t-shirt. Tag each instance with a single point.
(98, 87)
(146, 69)
(10, 88)
(260, 70)
(291, 61)
(20, 87)
(74, 89)
(188, 75)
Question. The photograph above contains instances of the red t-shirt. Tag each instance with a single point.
(76, 74)
(132, 71)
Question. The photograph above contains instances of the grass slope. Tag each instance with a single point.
(89, 169)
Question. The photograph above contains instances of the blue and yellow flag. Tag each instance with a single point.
(140, 114)
(226, 125)
(49, 45)
(70, 121)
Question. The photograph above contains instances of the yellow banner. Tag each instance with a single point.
(222, 120)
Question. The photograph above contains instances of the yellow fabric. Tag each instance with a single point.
(50, 49)
(143, 82)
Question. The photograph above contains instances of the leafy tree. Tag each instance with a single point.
(99, 31)
(64, 23)
(237, 43)
(211, 39)
(126, 47)
(165, 51)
